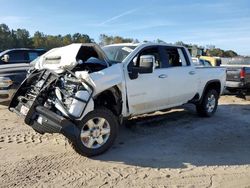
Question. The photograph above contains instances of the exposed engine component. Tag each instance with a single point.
(71, 96)
(64, 94)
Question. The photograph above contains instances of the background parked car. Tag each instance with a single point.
(11, 76)
(20, 55)
(238, 76)
(14, 65)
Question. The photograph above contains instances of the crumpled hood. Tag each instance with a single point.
(59, 58)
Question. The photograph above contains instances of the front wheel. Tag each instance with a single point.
(98, 131)
(209, 103)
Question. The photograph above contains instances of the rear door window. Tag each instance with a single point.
(175, 57)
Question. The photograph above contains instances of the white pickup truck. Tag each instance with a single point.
(84, 92)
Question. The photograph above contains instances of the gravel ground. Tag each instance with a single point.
(171, 149)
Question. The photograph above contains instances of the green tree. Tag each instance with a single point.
(106, 40)
(220, 53)
(215, 52)
(67, 39)
(230, 53)
(22, 38)
(53, 41)
(38, 40)
(81, 38)
(5, 37)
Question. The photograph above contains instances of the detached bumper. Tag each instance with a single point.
(44, 120)
(51, 122)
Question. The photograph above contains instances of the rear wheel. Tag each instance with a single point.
(247, 96)
(98, 131)
(209, 103)
(232, 90)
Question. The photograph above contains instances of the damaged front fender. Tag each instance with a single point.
(107, 78)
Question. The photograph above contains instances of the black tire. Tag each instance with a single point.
(247, 96)
(78, 145)
(202, 109)
(232, 90)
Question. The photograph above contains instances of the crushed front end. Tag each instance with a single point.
(52, 102)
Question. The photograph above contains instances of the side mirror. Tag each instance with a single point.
(146, 65)
(5, 58)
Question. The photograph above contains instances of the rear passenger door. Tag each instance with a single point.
(181, 76)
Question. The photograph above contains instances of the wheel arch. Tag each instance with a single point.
(110, 98)
(212, 84)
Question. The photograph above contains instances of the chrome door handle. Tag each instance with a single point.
(163, 76)
(192, 72)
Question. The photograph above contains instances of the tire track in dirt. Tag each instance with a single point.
(29, 171)
(31, 137)
(71, 170)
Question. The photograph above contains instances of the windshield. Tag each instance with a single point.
(118, 53)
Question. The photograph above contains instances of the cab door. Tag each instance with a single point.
(149, 91)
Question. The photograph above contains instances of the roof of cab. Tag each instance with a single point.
(144, 44)
(124, 44)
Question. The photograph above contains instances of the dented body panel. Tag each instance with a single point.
(107, 78)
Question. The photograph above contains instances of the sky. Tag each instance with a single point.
(223, 23)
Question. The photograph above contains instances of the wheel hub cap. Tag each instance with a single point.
(211, 103)
(95, 133)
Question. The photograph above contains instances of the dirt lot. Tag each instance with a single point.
(173, 149)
